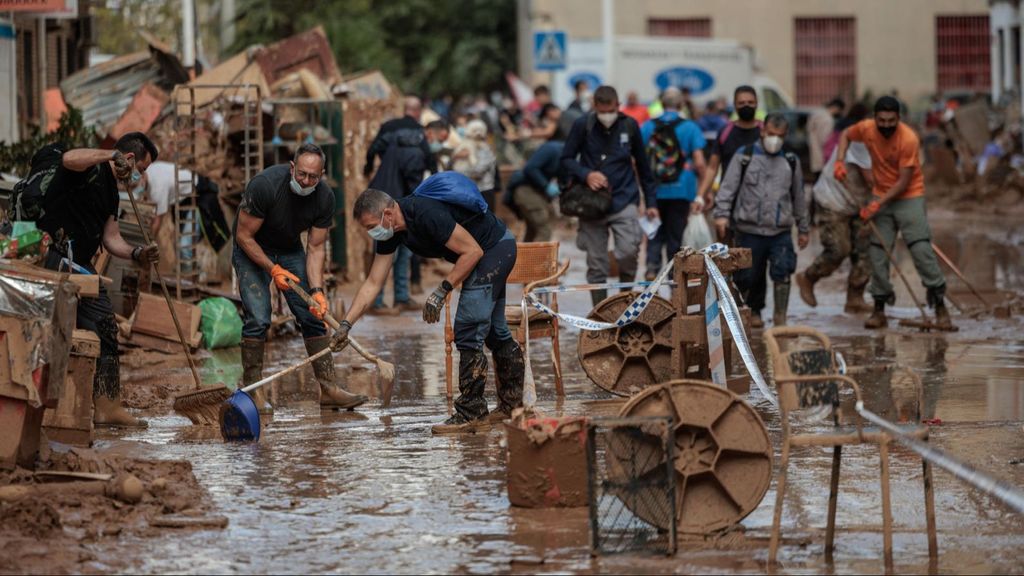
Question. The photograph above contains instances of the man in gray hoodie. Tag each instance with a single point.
(761, 197)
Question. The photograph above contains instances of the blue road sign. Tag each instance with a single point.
(549, 50)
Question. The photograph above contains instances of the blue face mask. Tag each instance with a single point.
(436, 147)
(136, 176)
(380, 233)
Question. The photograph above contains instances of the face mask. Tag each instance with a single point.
(772, 144)
(746, 113)
(585, 101)
(461, 131)
(887, 131)
(608, 118)
(380, 233)
(436, 147)
(298, 189)
(136, 176)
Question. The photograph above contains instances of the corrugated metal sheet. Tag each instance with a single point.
(105, 91)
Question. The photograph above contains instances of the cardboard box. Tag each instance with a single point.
(71, 421)
(154, 319)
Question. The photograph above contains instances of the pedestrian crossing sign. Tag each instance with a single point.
(549, 50)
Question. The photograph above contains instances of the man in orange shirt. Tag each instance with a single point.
(897, 206)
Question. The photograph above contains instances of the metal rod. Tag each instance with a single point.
(1003, 491)
(945, 259)
(892, 260)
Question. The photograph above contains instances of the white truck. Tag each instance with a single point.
(709, 68)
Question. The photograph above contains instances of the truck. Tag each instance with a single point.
(710, 68)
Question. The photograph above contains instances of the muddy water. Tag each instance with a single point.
(373, 491)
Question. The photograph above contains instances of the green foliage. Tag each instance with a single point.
(16, 158)
(425, 46)
(119, 19)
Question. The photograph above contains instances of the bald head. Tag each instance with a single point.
(672, 98)
(413, 107)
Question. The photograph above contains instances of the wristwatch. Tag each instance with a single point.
(447, 285)
(316, 290)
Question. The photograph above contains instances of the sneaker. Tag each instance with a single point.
(409, 306)
(459, 425)
(383, 311)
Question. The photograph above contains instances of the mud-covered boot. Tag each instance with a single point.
(332, 395)
(877, 319)
(471, 406)
(781, 291)
(509, 371)
(855, 302)
(252, 371)
(107, 408)
(598, 296)
(805, 281)
(937, 300)
(755, 320)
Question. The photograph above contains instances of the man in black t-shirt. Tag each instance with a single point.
(278, 205)
(81, 215)
(483, 252)
(737, 134)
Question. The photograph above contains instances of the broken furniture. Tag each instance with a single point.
(71, 421)
(536, 266)
(668, 340)
(805, 376)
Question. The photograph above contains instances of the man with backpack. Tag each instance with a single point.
(447, 217)
(675, 148)
(745, 130)
(761, 197)
(599, 157)
(73, 196)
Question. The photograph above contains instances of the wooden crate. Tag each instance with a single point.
(152, 317)
(71, 421)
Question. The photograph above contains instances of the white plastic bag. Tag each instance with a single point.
(697, 234)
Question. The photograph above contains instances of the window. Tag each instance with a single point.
(688, 27)
(963, 52)
(826, 59)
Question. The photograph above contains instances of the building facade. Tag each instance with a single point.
(814, 49)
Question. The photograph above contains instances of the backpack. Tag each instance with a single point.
(28, 198)
(724, 134)
(453, 188)
(665, 152)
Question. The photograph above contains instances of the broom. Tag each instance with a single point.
(386, 369)
(201, 406)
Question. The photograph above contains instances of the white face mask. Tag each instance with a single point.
(608, 118)
(380, 233)
(298, 189)
(772, 144)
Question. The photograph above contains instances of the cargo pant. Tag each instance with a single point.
(535, 210)
(909, 218)
(593, 239)
(842, 238)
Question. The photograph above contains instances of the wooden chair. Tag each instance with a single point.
(807, 377)
(536, 265)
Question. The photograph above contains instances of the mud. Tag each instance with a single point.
(374, 491)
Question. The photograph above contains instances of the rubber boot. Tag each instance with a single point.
(937, 300)
(626, 278)
(471, 406)
(877, 319)
(598, 296)
(509, 372)
(855, 302)
(107, 408)
(781, 291)
(252, 371)
(332, 395)
(805, 281)
(755, 320)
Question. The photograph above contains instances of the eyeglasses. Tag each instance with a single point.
(308, 176)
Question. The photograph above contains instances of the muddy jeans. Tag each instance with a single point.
(593, 239)
(97, 315)
(399, 276)
(254, 289)
(841, 238)
(480, 318)
(536, 212)
(774, 250)
(907, 217)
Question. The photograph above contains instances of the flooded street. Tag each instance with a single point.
(373, 491)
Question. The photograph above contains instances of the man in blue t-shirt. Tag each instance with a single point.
(675, 195)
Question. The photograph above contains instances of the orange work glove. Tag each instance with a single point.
(868, 212)
(839, 171)
(319, 306)
(282, 276)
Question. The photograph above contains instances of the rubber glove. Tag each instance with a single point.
(868, 212)
(319, 306)
(123, 165)
(147, 255)
(282, 276)
(553, 190)
(340, 338)
(839, 171)
(435, 302)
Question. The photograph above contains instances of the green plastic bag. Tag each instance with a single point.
(220, 324)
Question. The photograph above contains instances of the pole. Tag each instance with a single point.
(608, 37)
(227, 26)
(41, 61)
(188, 36)
(524, 37)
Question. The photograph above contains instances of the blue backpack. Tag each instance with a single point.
(452, 188)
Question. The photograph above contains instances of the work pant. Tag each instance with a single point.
(771, 254)
(254, 289)
(592, 238)
(97, 316)
(535, 210)
(399, 276)
(674, 214)
(842, 238)
(908, 217)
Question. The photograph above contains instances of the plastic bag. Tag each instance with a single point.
(697, 234)
(220, 323)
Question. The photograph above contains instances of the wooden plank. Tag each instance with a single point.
(85, 343)
(71, 421)
(159, 344)
(88, 285)
(739, 259)
(152, 317)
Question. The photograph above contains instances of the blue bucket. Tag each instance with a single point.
(240, 418)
